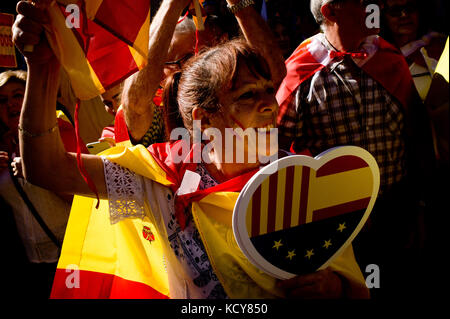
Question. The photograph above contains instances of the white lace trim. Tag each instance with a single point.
(125, 192)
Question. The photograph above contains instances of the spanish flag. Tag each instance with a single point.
(7, 49)
(128, 259)
(99, 42)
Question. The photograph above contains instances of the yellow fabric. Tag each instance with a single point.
(238, 276)
(138, 160)
(62, 116)
(443, 64)
(240, 279)
(69, 53)
(91, 243)
(92, 117)
(83, 78)
(100, 244)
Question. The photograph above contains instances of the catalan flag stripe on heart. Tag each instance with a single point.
(291, 197)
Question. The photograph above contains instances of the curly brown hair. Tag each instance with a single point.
(202, 78)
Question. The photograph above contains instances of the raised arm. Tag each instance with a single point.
(140, 88)
(45, 161)
(258, 34)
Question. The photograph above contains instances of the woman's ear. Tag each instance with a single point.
(329, 12)
(200, 114)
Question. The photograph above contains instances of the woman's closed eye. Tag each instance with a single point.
(247, 95)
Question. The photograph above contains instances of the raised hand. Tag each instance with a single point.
(28, 29)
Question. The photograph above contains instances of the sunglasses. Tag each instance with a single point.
(398, 10)
(180, 61)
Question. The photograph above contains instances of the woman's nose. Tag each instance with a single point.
(268, 103)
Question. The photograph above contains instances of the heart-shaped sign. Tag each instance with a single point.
(298, 213)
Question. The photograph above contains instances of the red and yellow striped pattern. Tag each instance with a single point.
(7, 49)
(110, 44)
(297, 195)
(113, 260)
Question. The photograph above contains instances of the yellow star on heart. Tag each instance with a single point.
(327, 244)
(309, 253)
(291, 254)
(341, 227)
(277, 244)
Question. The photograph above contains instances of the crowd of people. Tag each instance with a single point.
(324, 79)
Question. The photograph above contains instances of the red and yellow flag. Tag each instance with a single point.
(99, 42)
(128, 259)
(7, 49)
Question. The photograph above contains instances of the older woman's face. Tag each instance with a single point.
(402, 17)
(11, 99)
(251, 104)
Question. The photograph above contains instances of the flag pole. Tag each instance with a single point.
(198, 13)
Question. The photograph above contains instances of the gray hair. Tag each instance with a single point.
(316, 6)
(185, 26)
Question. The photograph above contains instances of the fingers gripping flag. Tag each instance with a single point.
(99, 42)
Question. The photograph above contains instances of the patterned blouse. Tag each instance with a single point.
(155, 133)
(126, 190)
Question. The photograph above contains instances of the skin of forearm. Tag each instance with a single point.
(45, 161)
(38, 116)
(140, 88)
(258, 34)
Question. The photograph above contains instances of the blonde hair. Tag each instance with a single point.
(19, 76)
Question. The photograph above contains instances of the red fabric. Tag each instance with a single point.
(67, 133)
(80, 164)
(303, 152)
(95, 285)
(387, 66)
(113, 13)
(301, 65)
(108, 131)
(104, 49)
(120, 127)
(164, 154)
(357, 55)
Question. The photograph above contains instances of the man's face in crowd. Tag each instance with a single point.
(351, 17)
(402, 17)
(111, 99)
(181, 49)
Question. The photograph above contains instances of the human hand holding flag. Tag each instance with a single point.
(43, 4)
(34, 18)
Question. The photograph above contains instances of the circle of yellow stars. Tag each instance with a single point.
(309, 253)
